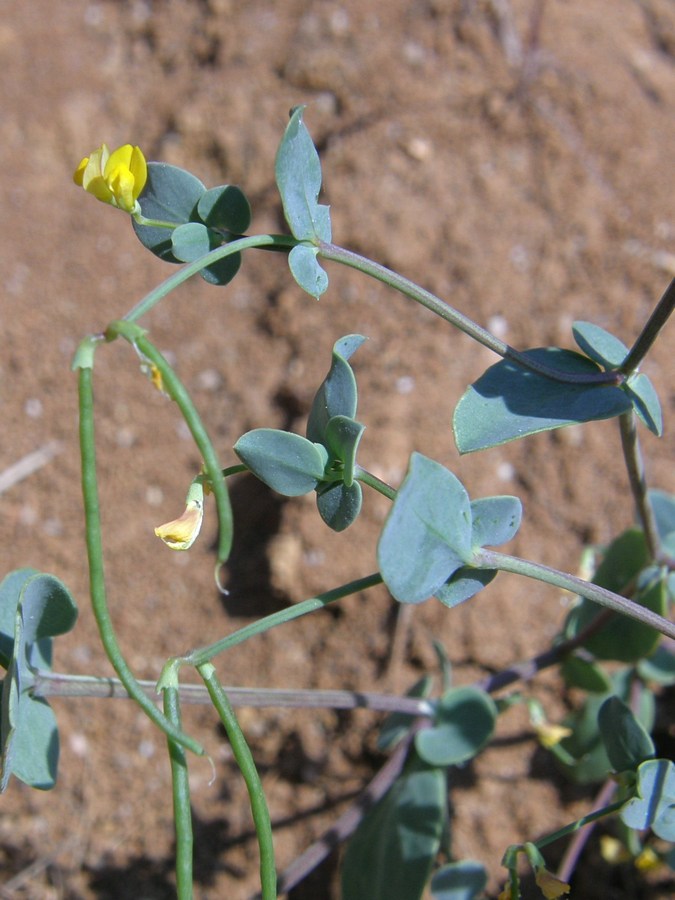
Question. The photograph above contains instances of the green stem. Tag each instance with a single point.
(182, 813)
(154, 223)
(458, 319)
(178, 392)
(366, 477)
(96, 573)
(636, 477)
(584, 820)
(491, 559)
(274, 241)
(242, 754)
(650, 332)
(205, 654)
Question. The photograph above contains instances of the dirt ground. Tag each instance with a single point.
(513, 156)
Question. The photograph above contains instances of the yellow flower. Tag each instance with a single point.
(549, 735)
(613, 851)
(116, 178)
(182, 532)
(550, 886)
(648, 861)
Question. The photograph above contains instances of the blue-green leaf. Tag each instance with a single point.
(397, 725)
(464, 584)
(306, 270)
(663, 505)
(170, 195)
(339, 505)
(194, 240)
(288, 463)
(599, 344)
(427, 534)
(337, 395)
(10, 591)
(509, 402)
(225, 208)
(342, 438)
(494, 520)
(584, 674)
(463, 880)
(464, 723)
(646, 402)
(298, 175)
(391, 854)
(659, 667)
(626, 740)
(654, 805)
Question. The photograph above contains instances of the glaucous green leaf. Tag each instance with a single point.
(10, 591)
(663, 505)
(659, 667)
(583, 674)
(337, 395)
(494, 520)
(464, 584)
(509, 402)
(288, 463)
(464, 723)
(305, 268)
(427, 534)
(170, 195)
(626, 741)
(646, 402)
(599, 344)
(463, 880)
(339, 505)
(342, 439)
(298, 176)
(194, 240)
(225, 208)
(654, 805)
(391, 853)
(397, 725)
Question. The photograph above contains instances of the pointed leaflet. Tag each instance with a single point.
(337, 395)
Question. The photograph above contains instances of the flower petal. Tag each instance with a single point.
(181, 533)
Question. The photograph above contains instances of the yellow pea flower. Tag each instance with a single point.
(116, 178)
(550, 886)
(181, 533)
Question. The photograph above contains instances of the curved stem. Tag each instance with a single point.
(636, 476)
(182, 813)
(205, 654)
(97, 588)
(366, 477)
(651, 331)
(242, 754)
(273, 241)
(491, 559)
(458, 319)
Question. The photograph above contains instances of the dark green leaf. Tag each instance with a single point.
(298, 175)
(339, 505)
(509, 402)
(397, 725)
(464, 723)
(599, 344)
(225, 208)
(392, 851)
(306, 270)
(585, 675)
(337, 395)
(654, 805)
(427, 534)
(170, 195)
(288, 463)
(646, 402)
(626, 741)
(463, 880)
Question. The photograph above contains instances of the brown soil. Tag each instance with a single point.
(525, 175)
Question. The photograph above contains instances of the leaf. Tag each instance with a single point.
(194, 240)
(464, 723)
(463, 880)
(427, 534)
(494, 520)
(225, 208)
(663, 506)
(397, 725)
(581, 673)
(298, 175)
(339, 505)
(342, 438)
(337, 395)
(392, 851)
(464, 584)
(654, 805)
(509, 402)
(10, 591)
(627, 742)
(599, 344)
(288, 463)
(659, 667)
(646, 402)
(306, 270)
(170, 195)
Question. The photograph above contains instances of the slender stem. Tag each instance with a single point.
(205, 654)
(580, 839)
(282, 241)
(491, 559)
(154, 223)
(651, 331)
(242, 754)
(58, 684)
(96, 573)
(580, 823)
(182, 814)
(374, 482)
(458, 319)
(636, 476)
(178, 392)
